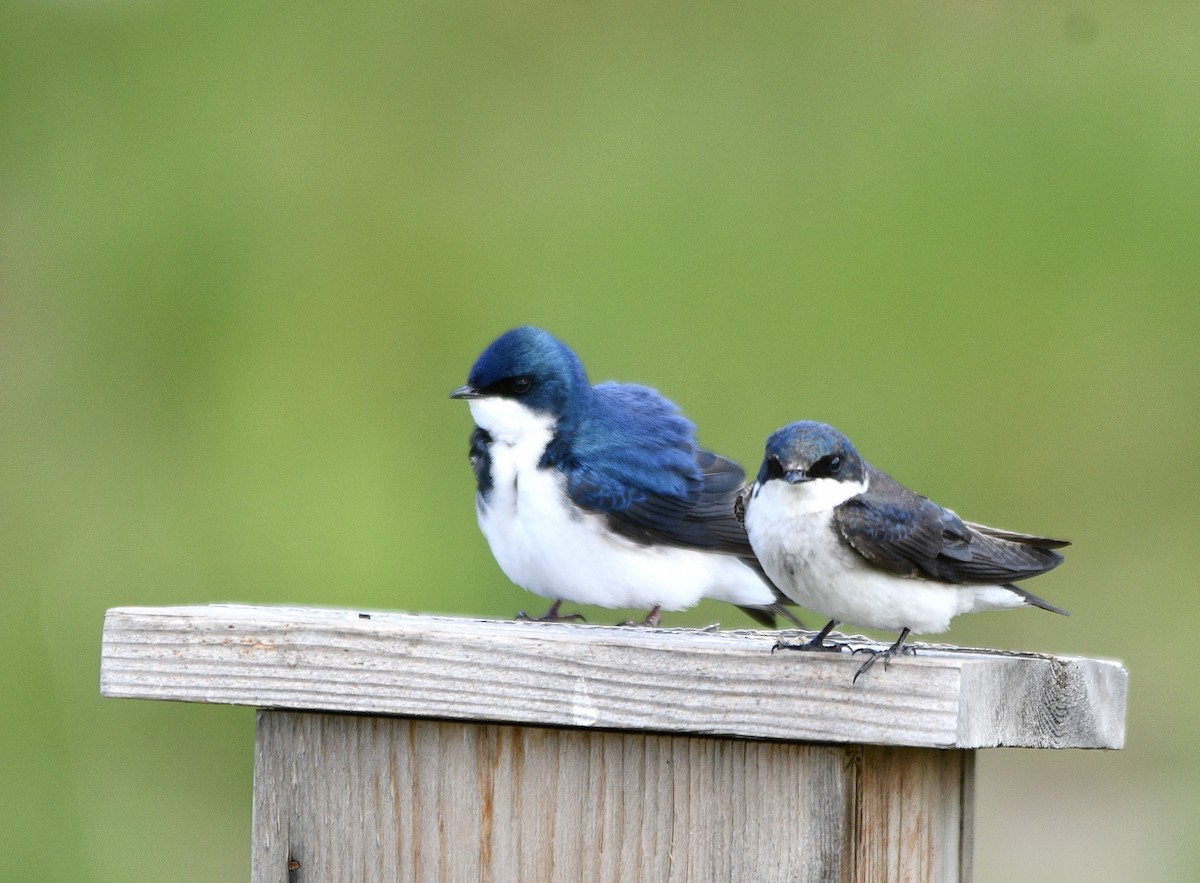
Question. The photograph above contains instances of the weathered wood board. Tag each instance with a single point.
(634, 679)
(353, 797)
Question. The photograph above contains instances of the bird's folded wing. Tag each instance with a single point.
(904, 540)
(633, 445)
(703, 522)
(909, 535)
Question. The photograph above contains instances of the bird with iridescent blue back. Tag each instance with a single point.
(600, 494)
(848, 541)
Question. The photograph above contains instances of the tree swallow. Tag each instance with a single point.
(600, 494)
(846, 540)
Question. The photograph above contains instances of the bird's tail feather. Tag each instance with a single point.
(765, 616)
(1033, 599)
(1013, 536)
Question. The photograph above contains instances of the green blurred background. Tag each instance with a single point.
(247, 250)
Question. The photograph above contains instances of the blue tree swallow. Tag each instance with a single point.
(600, 494)
(848, 541)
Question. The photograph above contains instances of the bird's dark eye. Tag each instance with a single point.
(773, 467)
(518, 386)
(826, 467)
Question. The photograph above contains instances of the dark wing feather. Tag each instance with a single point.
(1033, 599)
(481, 461)
(1014, 537)
(909, 535)
(705, 521)
(893, 538)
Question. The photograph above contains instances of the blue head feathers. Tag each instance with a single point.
(535, 368)
(807, 450)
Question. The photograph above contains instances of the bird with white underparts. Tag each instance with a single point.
(849, 542)
(600, 494)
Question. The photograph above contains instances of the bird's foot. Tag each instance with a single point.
(897, 649)
(551, 615)
(816, 642)
(651, 621)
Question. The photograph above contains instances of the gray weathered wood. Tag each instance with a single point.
(649, 680)
(350, 797)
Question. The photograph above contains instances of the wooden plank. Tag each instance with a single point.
(915, 815)
(349, 797)
(657, 680)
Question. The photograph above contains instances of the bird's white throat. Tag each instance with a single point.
(510, 423)
(806, 497)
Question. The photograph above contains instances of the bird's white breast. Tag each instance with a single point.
(798, 546)
(547, 545)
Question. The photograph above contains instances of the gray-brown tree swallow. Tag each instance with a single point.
(846, 540)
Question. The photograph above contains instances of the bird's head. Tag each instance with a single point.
(810, 453)
(525, 374)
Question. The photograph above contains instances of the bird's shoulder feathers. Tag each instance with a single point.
(632, 443)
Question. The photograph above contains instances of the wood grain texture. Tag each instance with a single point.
(915, 811)
(350, 797)
(565, 675)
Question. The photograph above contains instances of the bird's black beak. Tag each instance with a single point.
(466, 392)
(796, 476)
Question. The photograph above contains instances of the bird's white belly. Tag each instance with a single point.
(546, 545)
(813, 566)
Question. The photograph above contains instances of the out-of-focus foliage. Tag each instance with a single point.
(246, 251)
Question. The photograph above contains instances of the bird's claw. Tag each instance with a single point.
(651, 621)
(551, 615)
(811, 644)
(522, 616)
(886, 655)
